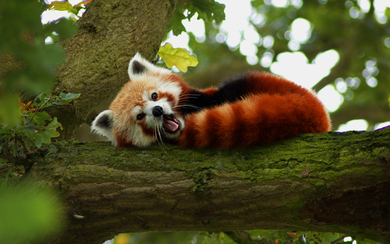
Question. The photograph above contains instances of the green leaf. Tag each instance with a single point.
(38, 140)
(41, 118)
(54, 124)
(176, 25)
(9, 112)
(67, 98)
(51, 129)
(30, 140)
(46, 136)
(43, 96)
(62, 6)
(28, 215)
(257, 3)
(178, 57)
(207, 10)
(65, 28)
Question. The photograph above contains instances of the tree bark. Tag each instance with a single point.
(110, 33)
(337, 182)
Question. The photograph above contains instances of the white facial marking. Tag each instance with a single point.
(169, 87)
(135, 111)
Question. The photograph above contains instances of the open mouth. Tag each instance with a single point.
(170, 123)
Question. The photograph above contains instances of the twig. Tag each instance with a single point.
(36, 111)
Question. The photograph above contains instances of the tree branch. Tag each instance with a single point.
(327, 182)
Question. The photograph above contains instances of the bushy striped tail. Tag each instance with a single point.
(256, 119)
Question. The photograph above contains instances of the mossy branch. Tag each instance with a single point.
(331, 182)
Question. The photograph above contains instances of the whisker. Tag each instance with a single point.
(160, 130)
(188, 96)
(159, 139)
(188, 106)
(162, 141)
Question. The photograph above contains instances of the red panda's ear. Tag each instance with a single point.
(103, 124)
(139, 67)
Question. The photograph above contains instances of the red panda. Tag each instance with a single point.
(247, 110)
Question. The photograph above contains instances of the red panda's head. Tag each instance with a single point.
(144, 111)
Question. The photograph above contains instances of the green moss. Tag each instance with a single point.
(382, 154)
(201, 180)
(317, 182)
(315, 161)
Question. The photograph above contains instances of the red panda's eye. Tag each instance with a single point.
(154, 96)
(140, 116)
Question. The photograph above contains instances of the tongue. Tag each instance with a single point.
(170, 125)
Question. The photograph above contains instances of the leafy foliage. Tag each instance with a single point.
(306, 237)
(66, 6)
(178, 57)
(28, 215)
(62, 6)
(27, 68)
(258, 236)
(28, 64)
(208, 10)
(211, 238)
(35, 128)
(184, 237)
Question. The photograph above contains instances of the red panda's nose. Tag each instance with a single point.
(157, 111)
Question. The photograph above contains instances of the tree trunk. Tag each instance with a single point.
(110, 33)
(337, 182)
